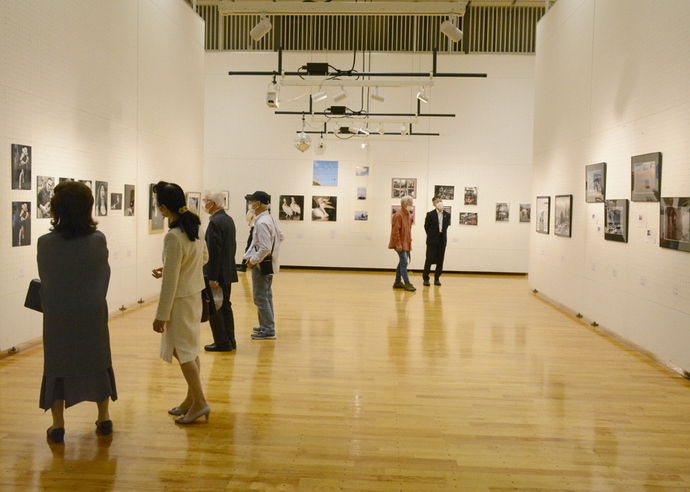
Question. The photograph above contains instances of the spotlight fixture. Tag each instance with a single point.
(319, 96)
(363, 130)
(302, 140)
(365, 145)
(422, 96)
(378, 97)
(380, 129)
(340, 95)
(403, 130)
(261, 29)
(449, 29)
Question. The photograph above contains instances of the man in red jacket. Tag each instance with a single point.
(401, 242)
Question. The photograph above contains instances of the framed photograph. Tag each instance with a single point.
(362, 171)
(401, 187)
(21, 167)
(87, 182)
(361, 193)
(502, 212)
(646, 177)
(444, 192)
(116, 201)
(362, 215)
(101, 198)
(325, 208)
(413, 214)
(129, 198)
(156, 219)
(21, 223)
(44, 192)
(543, 214)
(616, 220)
(563, 215)
(194, 201)
(325, 173)
(675, 224)
(226, 200)
(291, 207)
(595, 183)
(525, 212)
(448, 208)
(470, 195)
(468, 218)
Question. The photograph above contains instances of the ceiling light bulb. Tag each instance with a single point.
(261, 29)
(449, 29)
(319, 96)
(340, 96)
(302, 141)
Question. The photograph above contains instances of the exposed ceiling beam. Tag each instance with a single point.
(227, 7)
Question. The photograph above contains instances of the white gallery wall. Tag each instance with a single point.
(488, 145)
(100, 91)
(612, 83)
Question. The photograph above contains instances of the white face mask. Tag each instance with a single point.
(439, 206)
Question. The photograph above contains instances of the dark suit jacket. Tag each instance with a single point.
(222, 246)
(433, 235)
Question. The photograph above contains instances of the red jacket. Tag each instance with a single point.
(401, 231)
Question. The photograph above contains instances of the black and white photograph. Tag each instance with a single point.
(116, 201)
(21, 167)
(362, 171)
(226, 200)
(404, 187)
(325, 208)
(361, 215)
(675, 224)
(502, 212)
(543, 216)
(291, 207)
(444, 192)
(101, 198)
(616, 220)
(44, 192)
(129, 198)
(468, 218)
(595, 183)
(361, 193)
(646, 177)
(413, 214)
(193, 201)
(471, 195)
(21, 223)
(562, 215)
(525, 212)
(156, 219)
(448, 208)
(87, 182)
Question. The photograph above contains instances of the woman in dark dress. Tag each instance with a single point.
(74, 271)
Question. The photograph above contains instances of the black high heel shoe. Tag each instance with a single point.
(105, 428)
(56, 436)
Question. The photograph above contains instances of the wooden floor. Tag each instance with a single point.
(477, 385)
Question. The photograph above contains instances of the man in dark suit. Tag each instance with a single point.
(436, 226)
(221, 270)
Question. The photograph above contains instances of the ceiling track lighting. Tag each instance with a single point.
(378, 97)
(319, 96)
(422, 96)
(380, 129)
(340, 95)
(449, 28)
(261, 29)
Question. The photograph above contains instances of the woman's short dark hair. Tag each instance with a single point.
(172, 196)
(71, 207)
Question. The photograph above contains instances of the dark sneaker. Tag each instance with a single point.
(263, 336)
(409, 288)
(437, 282)
(426, 283)
(218, 348)
(399, 285)
(258, 330)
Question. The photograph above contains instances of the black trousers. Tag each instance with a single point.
(223, 325)
(434, 254)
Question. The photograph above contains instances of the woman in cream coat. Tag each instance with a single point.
(179, 306)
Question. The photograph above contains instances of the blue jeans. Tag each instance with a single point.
(263, 300)
(401, 270)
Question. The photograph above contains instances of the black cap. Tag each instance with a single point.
(259, 196)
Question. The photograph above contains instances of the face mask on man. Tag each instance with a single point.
(439, 206)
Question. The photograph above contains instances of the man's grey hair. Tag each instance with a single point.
(216, 197)
(406, 199)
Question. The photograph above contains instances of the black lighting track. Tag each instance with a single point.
(365, 115)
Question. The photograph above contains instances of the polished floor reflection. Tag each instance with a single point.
(477, 385)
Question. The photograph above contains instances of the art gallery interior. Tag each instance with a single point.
(126, 93)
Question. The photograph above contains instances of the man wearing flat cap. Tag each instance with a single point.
(262, 259)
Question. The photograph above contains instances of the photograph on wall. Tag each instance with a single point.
(87, 182)
(401, 187)
(361, 193)
(646, 177)
(21, 167)
(616, 220)
(525, 212)
(444, 192)
(101, 198)
(44, 192)
(116, 201)
(325, 208)
(129, 200)
(291, 207)
(468, 218)
(325, 173)
(563, 215)
(156, 219)
(361, 215)
(502, 212)
(448, 208)
(21, 223)
(62, 180)
(194, 201)
(226, 200)
(543, 214)
(362, 171)
(413, 214)
(675, 224)
(595, 183)
(470, 195)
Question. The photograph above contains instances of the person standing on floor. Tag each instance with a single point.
(436, 226)
(262, 259)
(401, 242)
(178, 316)
(221, 270)
(74, 272)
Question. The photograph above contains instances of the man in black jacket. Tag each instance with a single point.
(221, 270)
(436, 226)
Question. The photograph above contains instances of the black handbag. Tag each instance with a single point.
(208, 304)
(266, 265)
(33, 296)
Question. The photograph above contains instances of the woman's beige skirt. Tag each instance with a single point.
(182, 330)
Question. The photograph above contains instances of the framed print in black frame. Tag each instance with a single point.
(674, 230)
(646, 177)
(543, 214)
(563, 216)
(595, 183)
(616, 220)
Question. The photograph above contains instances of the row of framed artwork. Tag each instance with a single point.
(645, 181)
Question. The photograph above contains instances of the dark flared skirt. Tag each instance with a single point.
(94, 387)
